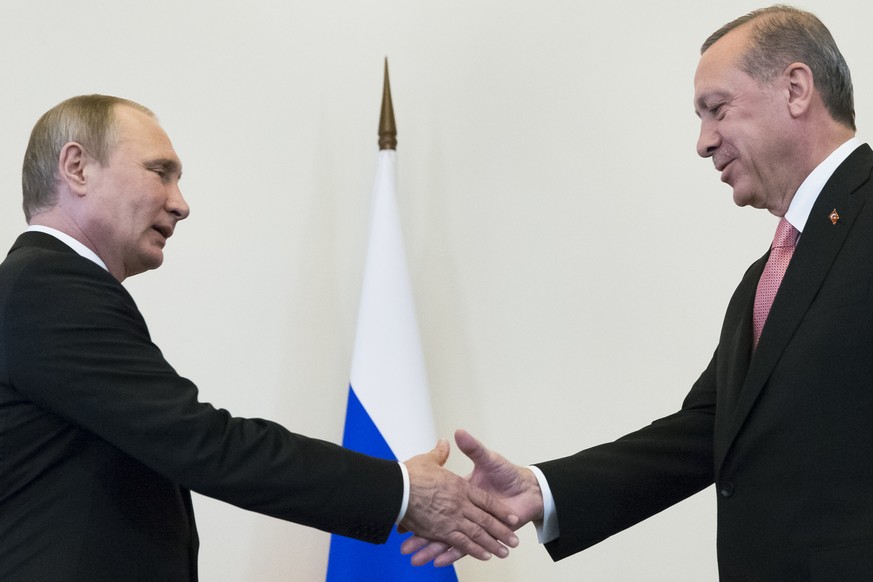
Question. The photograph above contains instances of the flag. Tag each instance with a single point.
(388, 413)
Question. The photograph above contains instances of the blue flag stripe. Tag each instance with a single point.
(353, 560)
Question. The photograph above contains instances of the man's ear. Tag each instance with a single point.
(801, 88)
(71, 167)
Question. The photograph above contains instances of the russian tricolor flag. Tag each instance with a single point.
(388, 413)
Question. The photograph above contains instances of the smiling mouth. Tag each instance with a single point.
(722, 167)
(721, 163)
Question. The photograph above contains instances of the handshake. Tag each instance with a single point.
(452, 516)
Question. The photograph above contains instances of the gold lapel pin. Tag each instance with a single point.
(834, 216)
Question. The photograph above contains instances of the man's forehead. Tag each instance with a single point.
(727, 50)
(129, 115)
(718, 64)
(143, 130)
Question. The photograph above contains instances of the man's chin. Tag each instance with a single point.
(742, 198)
(156, 261)
(149, 262)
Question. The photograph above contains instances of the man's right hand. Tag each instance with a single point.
(449, 508)
(512, 485)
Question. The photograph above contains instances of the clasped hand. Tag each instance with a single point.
(452, 516)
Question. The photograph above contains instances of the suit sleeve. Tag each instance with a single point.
(82, 351)
(605, 489)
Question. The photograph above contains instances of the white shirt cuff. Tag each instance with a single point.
(547, 529)
(405, 503)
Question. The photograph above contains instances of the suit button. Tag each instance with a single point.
(726, 489)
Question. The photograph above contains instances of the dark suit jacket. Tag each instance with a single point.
(785, 434)
(101, 440)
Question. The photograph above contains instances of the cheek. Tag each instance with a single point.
(145, 212)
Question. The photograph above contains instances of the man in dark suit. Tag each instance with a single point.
(101, 440)
(782, 418)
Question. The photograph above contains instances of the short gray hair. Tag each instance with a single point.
(782, 35)
(88, 120)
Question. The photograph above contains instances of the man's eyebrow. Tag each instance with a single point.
(168, 165)
(701, 102)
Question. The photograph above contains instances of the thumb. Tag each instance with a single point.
(470, 446)
(440, 453)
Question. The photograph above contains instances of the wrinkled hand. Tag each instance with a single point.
(507, 483)
(449, 509)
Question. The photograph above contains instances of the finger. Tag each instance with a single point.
(440, 453)
(465, 441)
(429, 553)
(476, 543)
(448, 558)
(412, 544)
(471, 447)
(490, 509)
(490, 533)
(481, 529)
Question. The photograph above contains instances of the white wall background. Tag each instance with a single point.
(570, 254)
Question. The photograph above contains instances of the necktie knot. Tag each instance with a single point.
(786, 235)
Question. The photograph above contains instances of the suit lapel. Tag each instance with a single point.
(815, 253)
(734, 351)
(737, 337)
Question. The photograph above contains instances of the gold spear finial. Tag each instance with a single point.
(387, 127)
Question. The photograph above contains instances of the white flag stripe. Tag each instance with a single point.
(388, 371)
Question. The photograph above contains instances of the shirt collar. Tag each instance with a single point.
(804, 198)
(70, 242)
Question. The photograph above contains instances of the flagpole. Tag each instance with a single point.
(387, 127)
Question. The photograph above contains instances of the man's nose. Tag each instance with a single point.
(708, 140)
(176, 204)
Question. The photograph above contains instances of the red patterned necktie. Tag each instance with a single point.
(774, 270)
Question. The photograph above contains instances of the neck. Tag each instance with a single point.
(819, 137)
(59, 220)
